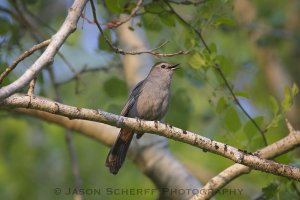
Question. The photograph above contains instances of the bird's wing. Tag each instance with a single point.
(132, 98)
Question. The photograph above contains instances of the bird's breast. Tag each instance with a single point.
(152, 103)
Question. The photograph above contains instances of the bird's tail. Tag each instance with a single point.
(118, 151)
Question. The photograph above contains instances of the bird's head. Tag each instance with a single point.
(163, 69)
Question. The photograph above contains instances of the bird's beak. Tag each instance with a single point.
(174, 67)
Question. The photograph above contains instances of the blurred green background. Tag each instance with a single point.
(256, 43)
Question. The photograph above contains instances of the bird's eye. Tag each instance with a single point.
(163, 66)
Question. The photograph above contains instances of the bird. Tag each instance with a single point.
(149, 100)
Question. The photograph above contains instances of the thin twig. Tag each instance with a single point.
(121, 51)
(157, 53)
(33, 30)
(72, 69)
(85, 69)
(38, 19)
(22, 57)
(54, 85)
(188, 2)
(87, 19)
(31, 26)
(74, 11)
(69, 65)
(57, 40)
(217, 67)
(219, 70)
(117, 23)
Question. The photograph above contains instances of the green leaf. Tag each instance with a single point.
(275, 121)
(197, 61)
(208, 57)
(115, 87)
(295, 89)
(259, 120)
(189, 42)
(221, 105)
(225, 64)
(168, 19)
(275, 104)
(270, 191)
(116, 6)
(180, 108)
(102, 44)
(249, 129)
(287, 99)
(187, 38)
(212, 47)
(232, 120)
(226, 21)
(154, 7)
(151, 22)
(242, 94)
(128, 7)
(5, 26)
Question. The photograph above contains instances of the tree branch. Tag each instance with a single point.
(123, 52)
(32, 23)
(47, 57)
(22, 57)
(117, 23)
(232, 153)
(143, 153)
(278, 148)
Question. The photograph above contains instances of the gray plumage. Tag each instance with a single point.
(149, 100)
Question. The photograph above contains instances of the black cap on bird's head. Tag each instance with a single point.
(164, 65)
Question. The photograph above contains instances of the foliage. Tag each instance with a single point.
(33, 157)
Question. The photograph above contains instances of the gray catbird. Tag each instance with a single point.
(149, 100)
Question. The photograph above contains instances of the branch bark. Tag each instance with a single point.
(47, 57)
(278, 148)
(232, 153)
